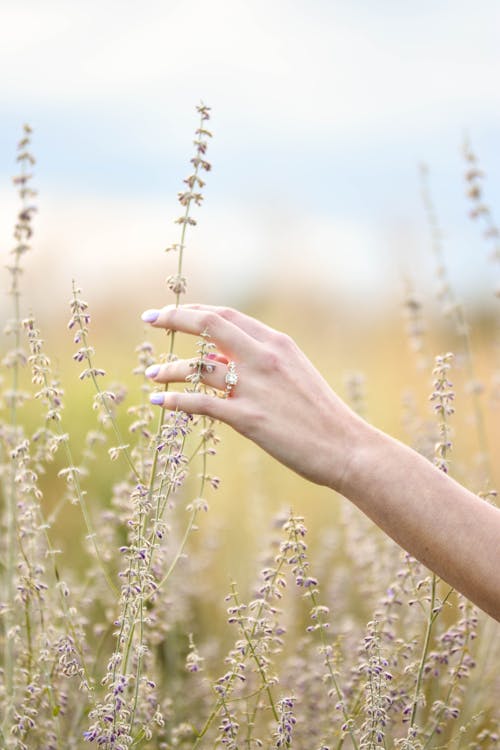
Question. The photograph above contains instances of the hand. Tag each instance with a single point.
(280, 401)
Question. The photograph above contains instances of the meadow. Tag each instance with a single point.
(165, 584)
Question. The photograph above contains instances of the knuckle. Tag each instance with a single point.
(273, 360)
(228, 313)
(284, 342)
(209, 322)
(276, 354)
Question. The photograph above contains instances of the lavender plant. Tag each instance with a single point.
(480, 211)
(130, 710)
(366, 648)
(454, 309)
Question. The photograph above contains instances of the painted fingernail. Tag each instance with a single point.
(156, 398)
(149, 316)
(152, 371)
(217, 358)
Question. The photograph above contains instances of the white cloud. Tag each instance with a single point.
(292, 67)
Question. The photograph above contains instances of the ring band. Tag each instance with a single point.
(231, 378)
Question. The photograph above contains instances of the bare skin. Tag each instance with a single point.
(283, 404)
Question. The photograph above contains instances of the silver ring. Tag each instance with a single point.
(231, 378)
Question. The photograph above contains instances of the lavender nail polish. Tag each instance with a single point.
(152, 371)
(149, 316)
(156, 398)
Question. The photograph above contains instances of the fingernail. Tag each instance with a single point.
(152, 371)
(218, 358)
(156, 398)
(149, 316)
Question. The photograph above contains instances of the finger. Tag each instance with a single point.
(211, 373)
(194, 403)
(251, 326)
(229, 337)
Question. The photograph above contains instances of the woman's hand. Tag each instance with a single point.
(280, 400)
(282, 403)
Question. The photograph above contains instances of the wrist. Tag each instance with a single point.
(355, 439)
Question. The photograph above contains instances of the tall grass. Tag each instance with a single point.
(349, 644)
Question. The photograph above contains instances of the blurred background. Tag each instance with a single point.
(322, 112)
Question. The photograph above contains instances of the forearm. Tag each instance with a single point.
(446, 527)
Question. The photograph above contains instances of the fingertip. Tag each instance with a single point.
(152, 371)
(157, 398)
(150, 316)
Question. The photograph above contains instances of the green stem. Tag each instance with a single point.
(461, 326)
(450, 691)
(159, 508)
(81, 495)
(427, 639)
(221, 701)
(10, 571)
(328, 664)
(102, 396)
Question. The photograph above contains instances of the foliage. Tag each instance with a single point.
(357, 646)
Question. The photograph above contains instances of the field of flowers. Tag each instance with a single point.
(164, 584)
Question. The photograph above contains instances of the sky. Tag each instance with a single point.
(322, 112)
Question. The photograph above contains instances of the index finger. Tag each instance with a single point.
(255, 328)
(230, 338)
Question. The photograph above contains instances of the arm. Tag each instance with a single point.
(448, 528)
(283, 404)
